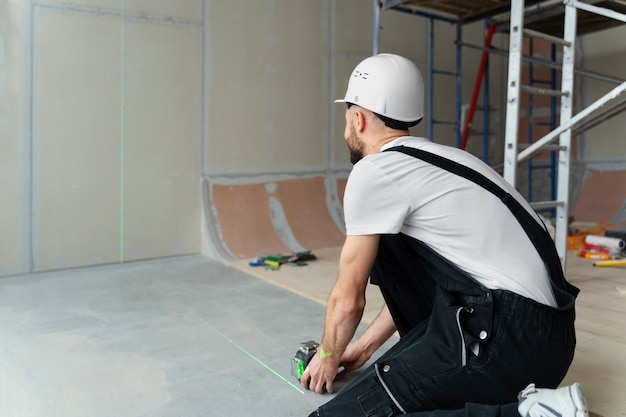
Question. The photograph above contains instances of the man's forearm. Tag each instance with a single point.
(378, 332)
(343, 312)
(342, 318)
(347, 299)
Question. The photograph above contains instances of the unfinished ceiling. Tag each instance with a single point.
(542, 16)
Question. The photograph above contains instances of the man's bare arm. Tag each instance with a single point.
(343, 312)
(361, 350)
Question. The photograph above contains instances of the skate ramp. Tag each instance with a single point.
(602, 197)
(248, 219)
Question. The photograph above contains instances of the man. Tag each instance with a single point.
(479, 301)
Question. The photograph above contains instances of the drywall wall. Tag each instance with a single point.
(102, 131)
(266, 86)
(115, 133)
(121, 118)
(265, 117)
(599, 194)
(14, 134)
(273, 71)
(607, 141)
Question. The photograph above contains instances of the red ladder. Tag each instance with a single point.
(479, 79)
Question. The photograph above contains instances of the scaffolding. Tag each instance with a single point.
(558, 22)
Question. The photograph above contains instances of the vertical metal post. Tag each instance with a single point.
(431, 79)
(376, 28)
(530, 121)
(459, 90)
(486, 106)
(552, 127)
(482, 67)
(567, 100)
(513, 91)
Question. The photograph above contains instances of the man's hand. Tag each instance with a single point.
(360, 351)
(352, 359)
(320, 374)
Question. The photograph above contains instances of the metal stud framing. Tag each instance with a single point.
(562, 135)
(560, 138)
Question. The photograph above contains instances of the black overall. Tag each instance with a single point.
(465, 350)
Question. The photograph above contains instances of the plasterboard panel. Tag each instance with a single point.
(267, 103)
(352, 42)
(353, 26)
(602, 197)
(341, 73)
(605, 42)
(606, 55)
(76, 140)
(14, 162)
(162, 101)
(188, 9)
(406, 34)
(607, 140)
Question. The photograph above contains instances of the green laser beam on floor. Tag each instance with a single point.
(241, 348)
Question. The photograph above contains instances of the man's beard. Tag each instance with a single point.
(355, 146)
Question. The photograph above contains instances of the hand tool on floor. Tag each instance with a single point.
(302, 358)
(616, 262)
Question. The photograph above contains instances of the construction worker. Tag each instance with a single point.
(471, 279)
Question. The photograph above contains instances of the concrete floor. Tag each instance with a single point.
(177, 337)
(189, 336)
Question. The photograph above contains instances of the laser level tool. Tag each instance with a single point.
(303, 357)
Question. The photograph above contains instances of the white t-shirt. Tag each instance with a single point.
(390, 193)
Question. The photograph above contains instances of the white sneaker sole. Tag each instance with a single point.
(578, 398)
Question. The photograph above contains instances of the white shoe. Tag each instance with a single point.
(544, 402)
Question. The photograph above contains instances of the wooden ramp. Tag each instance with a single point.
(602, 198)
(275, 217)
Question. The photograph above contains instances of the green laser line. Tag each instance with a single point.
(246, 352)
(122, 127)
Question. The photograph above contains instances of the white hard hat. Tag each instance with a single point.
(389, 85)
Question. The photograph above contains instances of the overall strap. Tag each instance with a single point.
(538, 235)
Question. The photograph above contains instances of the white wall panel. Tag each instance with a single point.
(267, 100)
(602, 54)
(343, 69)
(163, 97)
(76, 139)
(14, 139)
(117, 122)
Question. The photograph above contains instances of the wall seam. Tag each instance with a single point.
(203, 220)
(122, 142)
(30, 256)
(330, 63)
(203, 101)
(134, 17)
(333, 202)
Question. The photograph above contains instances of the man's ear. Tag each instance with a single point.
(359, 120)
